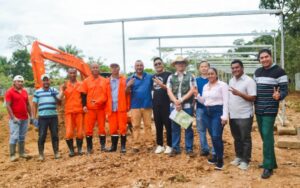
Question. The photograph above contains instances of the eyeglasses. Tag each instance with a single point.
(156, 64)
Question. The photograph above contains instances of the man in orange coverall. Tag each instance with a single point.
(73, 111)
(118, 105)
(94, 94)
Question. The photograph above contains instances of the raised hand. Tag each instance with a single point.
(276, 93)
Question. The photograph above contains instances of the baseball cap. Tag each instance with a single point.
(18, 78)
(45, 76)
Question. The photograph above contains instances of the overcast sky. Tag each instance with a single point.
(60, 22)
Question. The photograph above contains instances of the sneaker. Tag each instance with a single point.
(191, 154)
(168, 150)
(41, 158)
(204, 153)
(13, 158)
(173, 153)
(219, 165)
(56, 156)
(243, 166)
(213, 160)
(159, 149)
(266, 173)
(236, 161)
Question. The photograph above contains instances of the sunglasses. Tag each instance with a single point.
(156, 64)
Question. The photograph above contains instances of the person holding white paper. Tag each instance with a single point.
(180, 87)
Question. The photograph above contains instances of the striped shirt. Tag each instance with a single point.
(266, 80)
(46, 101)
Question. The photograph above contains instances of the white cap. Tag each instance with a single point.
(18, 78)
(45, 76)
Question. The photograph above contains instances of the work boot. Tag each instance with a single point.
(102, 143)
(114, 144)
(55, 149)
(123, 144)
(89, 144)
(12, 149)
(79, 146)
(41, 152)
(71, 147)
(22, 153)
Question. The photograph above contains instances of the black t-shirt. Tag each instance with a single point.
(160, 96)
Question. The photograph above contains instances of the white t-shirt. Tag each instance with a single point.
(239, 108)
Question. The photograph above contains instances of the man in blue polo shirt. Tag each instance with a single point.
(45, 100)
(139, 86)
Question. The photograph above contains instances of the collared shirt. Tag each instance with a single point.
(216, 95)
(178, 94)
(114, 86)
(18, 102)
(239, 108)
(141, 89)
(46, 101)
(200, 82)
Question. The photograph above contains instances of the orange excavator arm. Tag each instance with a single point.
(38, 64)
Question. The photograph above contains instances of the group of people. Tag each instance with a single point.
(215, 103)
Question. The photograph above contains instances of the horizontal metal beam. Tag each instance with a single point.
(218, 46)
(218, 53)
(201, 36)
(181, 16)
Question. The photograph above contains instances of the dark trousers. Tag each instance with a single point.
(44, 123)
(212, 120)
(266, 130)
(241, 132)
(161, 118)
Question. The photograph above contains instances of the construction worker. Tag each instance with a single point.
(140, 87)
(118, 105)
(94, 93)
(18, 108)
(45, 100)
(73, 112)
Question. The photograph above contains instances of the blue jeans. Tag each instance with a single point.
(17, 131)
(212, 120)
(176, 134)
(201, 128)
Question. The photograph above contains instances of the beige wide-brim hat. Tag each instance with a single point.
(180, 59)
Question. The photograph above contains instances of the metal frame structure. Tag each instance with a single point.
(159, 38)
(185, 16)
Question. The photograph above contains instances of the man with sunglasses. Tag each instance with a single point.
(161, 107)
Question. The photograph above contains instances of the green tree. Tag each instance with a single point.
(20, 62)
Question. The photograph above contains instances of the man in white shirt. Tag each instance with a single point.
(242, 95)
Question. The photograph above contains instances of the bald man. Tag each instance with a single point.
(94, 91)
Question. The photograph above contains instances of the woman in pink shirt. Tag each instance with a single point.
(215, 99)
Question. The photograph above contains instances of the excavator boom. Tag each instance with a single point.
(38, 62)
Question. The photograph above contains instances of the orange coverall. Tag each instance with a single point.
(118, 119)
(96, 90)
(73, 111)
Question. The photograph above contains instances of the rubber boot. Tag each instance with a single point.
(79, 146)
(41, 152)
(22, 152)
(71, 147)
(55, 149)
(114, 144)
(102, 143)
(89, 144)
(123, 144)
(12, 150)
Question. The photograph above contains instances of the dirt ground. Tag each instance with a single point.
(145, 169)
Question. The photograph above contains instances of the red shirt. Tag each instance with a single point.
(18, 102)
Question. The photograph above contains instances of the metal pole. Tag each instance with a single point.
(275, 52)
(181, 51)
(123, 43)
(282, 63)
(159, 50)
(220, 46)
